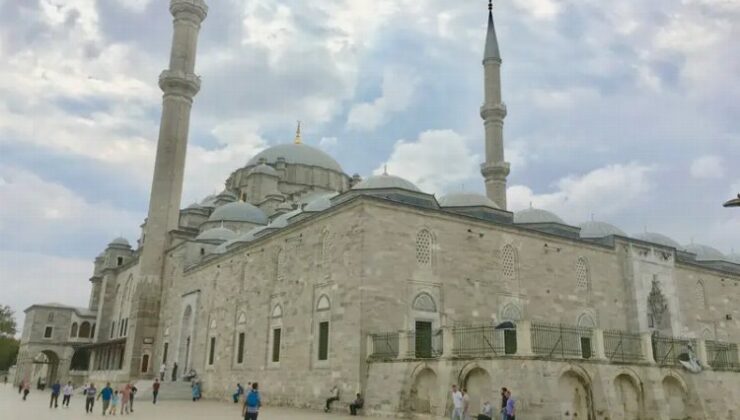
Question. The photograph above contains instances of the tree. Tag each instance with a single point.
(7, 321)
(8, 352)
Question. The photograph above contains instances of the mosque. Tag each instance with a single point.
(302, 277)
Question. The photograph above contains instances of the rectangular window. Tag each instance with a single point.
(240, 349)
(323, 340)
(112, 329)
(164, 352)
(276, 345)
(120, 328)
(212, 351)
(47, 332)
(119, 261)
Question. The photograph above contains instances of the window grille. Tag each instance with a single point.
(583, 280)
(508, 262)
(424, 248)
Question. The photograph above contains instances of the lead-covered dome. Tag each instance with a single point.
(238, 211)
(383, 181)
(219, 234)
(659, 239)
(533, 215)
(298, 153)
(465, 199)
(264, 170)
(319, 202)
(705, 252)
(593, 229)
(119, 241)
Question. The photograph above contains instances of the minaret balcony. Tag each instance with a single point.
(179, 83)
(498, 170)
(493, 111)
(191, 10)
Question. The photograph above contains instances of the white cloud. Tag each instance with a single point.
(438, 161)
(328, 143)
(397, 93)
(707, 167)
(604, 191)
(539, 9)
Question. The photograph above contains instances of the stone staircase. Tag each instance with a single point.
(167, 391)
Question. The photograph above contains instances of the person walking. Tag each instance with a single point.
(356, 405)
(162, 371)
(503, 403)
(20, 386)
(55, 390)
(125, 395)
(486, 411)
(252, 403)
(238, 393)
(67, 394)
(134, 390)
(466, 404)
(106, 394)
(155, 390)
(26, 390)
(174, 372)
(114, 402)
(90, 393)
(333, 396)
(510, 406)
(457, 404)
(195, 390)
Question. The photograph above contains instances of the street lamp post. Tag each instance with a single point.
(735, 202)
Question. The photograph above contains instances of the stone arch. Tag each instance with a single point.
(479, 385)
(424, 248)
(424, 302)
(423, 396)
(280, 264)
(45, 367)
(277, 311)
(586, 320)
(80, 359)
(241, 318)
(73, 331)
(706, 334)
(701, 294)
(676, 396)
(84, 331)
(575, 395)
(629, 390)
(511, 312)
(323, 304)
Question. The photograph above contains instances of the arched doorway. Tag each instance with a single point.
(629, 398)
(423, 391)
(575, 397)
(45, 369)
(186, 333)
(675, 396)
(80, 360)
(480, 388)
(85, 330)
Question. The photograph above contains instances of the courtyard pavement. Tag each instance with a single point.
(37, 408)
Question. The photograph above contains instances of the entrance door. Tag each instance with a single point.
(423, 339)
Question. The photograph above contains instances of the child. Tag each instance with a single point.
(113, 403)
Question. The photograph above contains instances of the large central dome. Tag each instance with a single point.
(297, 153)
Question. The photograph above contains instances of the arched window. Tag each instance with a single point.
(85, 330)
(323, 304)
(277, 311)
(583, 275)
(585, 320)
(424, 302)
(511, 313)
(706, 334)
(424, 243)
(701, 294)
(73, 333)
(241, 319)
(50, 318)
(509, 263)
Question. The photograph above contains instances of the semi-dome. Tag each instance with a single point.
(264, 169)
(298, 153)
(593, 229)
(216, 234)
(659, 239)
(121, 241)
(466, 199)
(382, 181)
(533, 215)
(705, 252)
(238, 211)
(319, 202)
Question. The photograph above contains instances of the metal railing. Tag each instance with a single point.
(384, 345)
(558, 340)
(483, 340)
(623, 347)
(667, 350)
(424, 344)
(722, 356)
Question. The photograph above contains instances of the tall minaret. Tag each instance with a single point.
(179, 85)
(493, 112)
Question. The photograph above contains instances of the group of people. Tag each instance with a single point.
(112, 399)
(355, 405)
(461, 406)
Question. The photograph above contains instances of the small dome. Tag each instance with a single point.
(238, 211)
(533, 215)
(264, 169)
(282, 220)
(296, 153)
(216, 234)
(705, 253)
(121, 241)
(659, 239)
(599, 230)
(209, 201)
(319, 202)
(226, 195)
(464, 199)
(376, 182)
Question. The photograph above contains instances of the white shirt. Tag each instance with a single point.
(163, 368)
(67, 390)
(457, 399)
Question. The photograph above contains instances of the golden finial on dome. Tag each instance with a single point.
(298, 134)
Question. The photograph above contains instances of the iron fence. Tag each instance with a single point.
(667, 350)
(624, 347)
(424, 344)
(483, 340)
(384, 345)
(722, 356)
(558, 340)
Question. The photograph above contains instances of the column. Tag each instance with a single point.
(524, 338)
(599, 350)
(647, 347)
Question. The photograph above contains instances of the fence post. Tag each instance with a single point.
(403, 344)
(647, 347)
(448, 341)
(369, 345)
(524, 338)
(701, 354)
(599, 351)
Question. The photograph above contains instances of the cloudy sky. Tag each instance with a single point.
(625, 111)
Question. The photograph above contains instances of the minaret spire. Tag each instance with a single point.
(298, 134)
(493, 111)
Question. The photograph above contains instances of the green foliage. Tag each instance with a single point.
(7, 321)
(8, 352)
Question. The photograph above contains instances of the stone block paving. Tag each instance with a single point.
(36, 407)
